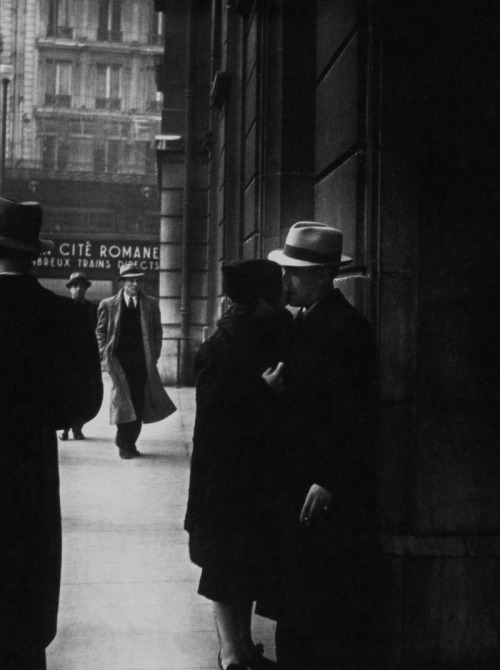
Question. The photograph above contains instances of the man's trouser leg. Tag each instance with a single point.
(127, 435)
(27, 659)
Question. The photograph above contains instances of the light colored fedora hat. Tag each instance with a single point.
(311, 243)
(129, 271)
(78, 277)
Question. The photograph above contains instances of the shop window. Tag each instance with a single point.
(55, 153)
(80, 154)
(149, 159)
(107, 156)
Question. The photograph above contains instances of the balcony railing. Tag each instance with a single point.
(39, 169)
(57, 100)
(108, 103)
(109, 35)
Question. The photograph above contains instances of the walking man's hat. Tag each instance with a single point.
(78, 277)
(129, 271)
(309, 243)
(20, 224)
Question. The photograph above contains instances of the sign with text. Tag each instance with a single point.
(99, 259)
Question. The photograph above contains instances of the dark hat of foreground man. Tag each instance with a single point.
(20, 224)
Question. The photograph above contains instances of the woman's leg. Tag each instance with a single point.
(244, 618)
(231, 620)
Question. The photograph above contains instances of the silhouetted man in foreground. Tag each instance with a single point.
(50, 377)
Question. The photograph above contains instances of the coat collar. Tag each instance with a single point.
(330, 298)
(120, 297)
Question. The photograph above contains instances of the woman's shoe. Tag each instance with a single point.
(258, 661)
(231, 666)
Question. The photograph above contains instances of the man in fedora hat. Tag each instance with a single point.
(129, 334)
(328, 518)
(50, 377)
(78, 285)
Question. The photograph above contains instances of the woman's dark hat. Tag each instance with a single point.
(129, 271)
(20, 224)
(247, 281)
(78, 278)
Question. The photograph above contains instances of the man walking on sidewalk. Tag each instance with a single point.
(50, 378)
(78, 285)
(129, 334)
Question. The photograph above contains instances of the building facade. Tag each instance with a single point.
(83, 112)
(370, 116)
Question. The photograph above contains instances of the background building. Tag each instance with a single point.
(377, 117)
(83, 111)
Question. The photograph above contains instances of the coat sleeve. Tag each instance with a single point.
(102, 328)
(344, 442)
(157, 334)
(229, 383)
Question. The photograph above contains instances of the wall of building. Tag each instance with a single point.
(371, 116)
(183, 151)
(438, 222)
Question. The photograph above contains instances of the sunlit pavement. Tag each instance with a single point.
(128, 592)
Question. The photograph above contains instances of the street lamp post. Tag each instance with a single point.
(6, 75)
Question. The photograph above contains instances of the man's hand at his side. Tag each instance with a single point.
(316, 504)
(274, 377)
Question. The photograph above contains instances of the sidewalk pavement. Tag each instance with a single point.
(128, 592)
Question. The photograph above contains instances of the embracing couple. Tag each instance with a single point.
(282, 500)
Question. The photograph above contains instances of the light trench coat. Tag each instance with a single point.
(157, 404)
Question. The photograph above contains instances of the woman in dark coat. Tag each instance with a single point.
(234, 465)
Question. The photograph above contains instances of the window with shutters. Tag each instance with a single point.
(110, 19)
(59, 24)
(108, 93)
(58, 83)
(156, 30)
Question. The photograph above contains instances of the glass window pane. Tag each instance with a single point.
(113, 155)
(63, 78)
(51, 78)
(101, 81)
(81, 154)
(115, 81)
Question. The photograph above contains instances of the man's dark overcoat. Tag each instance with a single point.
(90, 311)
(234, 464)
(50, 378)
(328, 410)
(329, 427)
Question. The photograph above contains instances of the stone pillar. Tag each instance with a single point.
(171, 179)
(439, 347)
